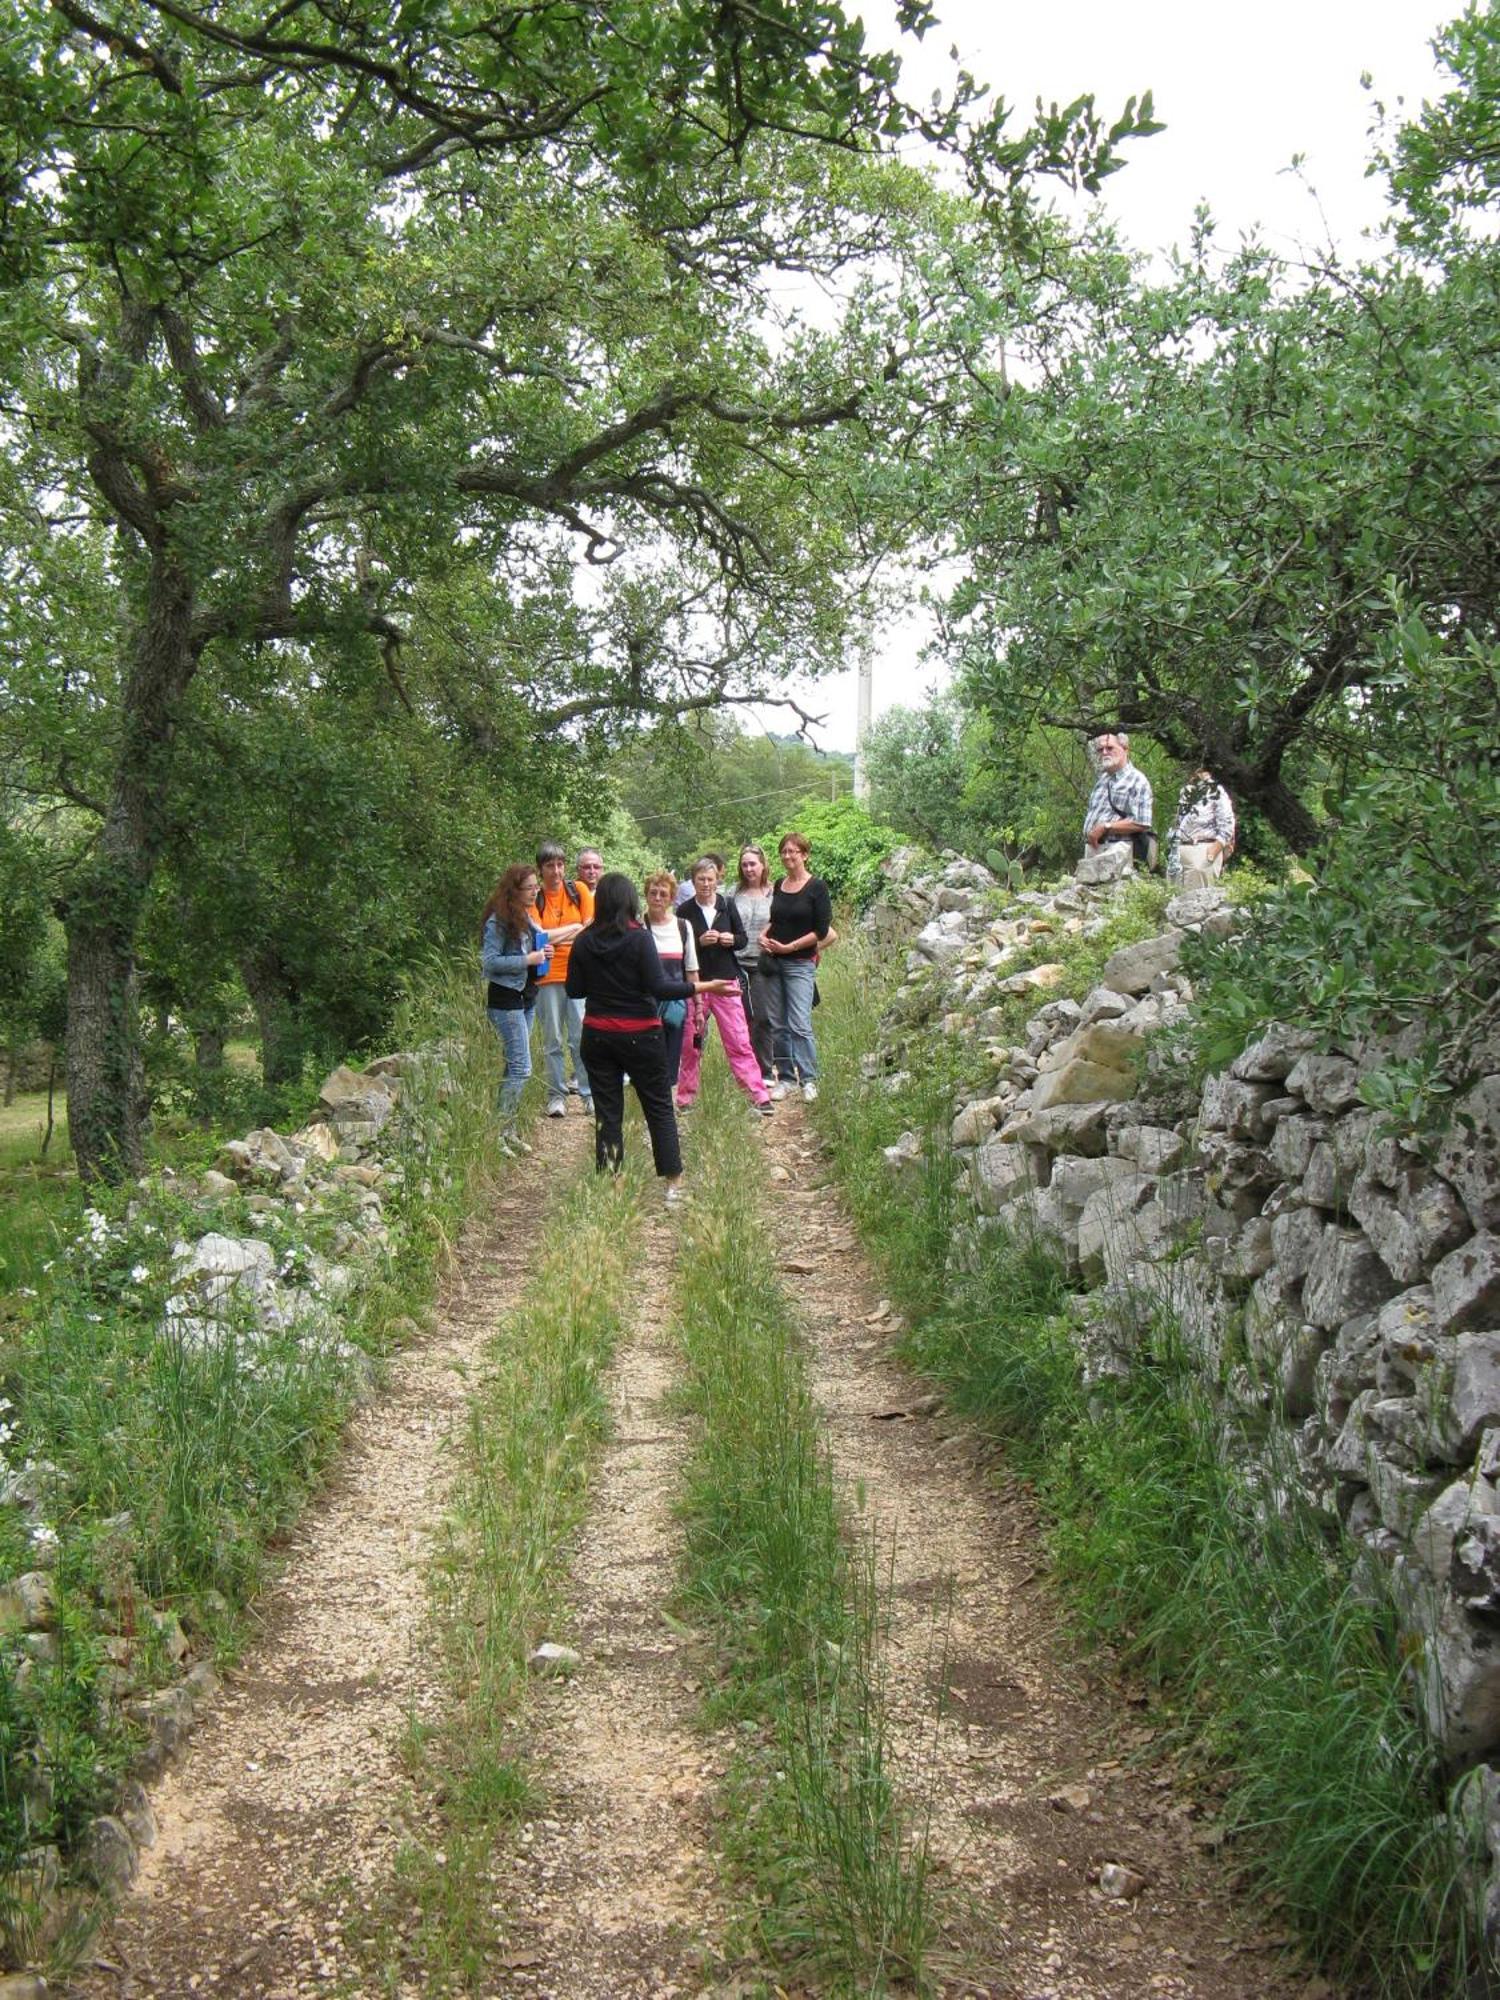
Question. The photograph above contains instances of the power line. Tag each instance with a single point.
(748, 798)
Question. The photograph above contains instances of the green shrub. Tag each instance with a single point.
(1400, 933)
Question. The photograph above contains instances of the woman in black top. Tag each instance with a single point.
(801, 917)
(615, 970)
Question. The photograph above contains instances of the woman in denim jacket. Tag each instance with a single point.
(513, 955)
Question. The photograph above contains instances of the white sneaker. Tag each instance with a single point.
(809, 1093)
(768, 1080)
(557, 1107)
(780, 1090)
(676, 1195)
(514, 1143)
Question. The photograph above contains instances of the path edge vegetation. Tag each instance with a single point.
(829, 1865)
(1269, 1653)
(172, 1475)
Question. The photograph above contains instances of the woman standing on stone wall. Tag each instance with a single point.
(513, 956)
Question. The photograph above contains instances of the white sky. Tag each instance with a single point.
(1240, 90)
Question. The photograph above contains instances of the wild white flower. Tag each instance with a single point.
(42, 1537)
(139, 1274)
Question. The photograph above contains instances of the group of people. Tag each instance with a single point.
(635, 998)
(1120, 809)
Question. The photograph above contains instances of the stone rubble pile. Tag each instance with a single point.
(1338, 1287)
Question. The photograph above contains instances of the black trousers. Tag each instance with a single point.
(610, 1057)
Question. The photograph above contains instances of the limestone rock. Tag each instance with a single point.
(1192, 909)
(1102, 1003)
(1234, 1107)
(1459, 1677)
(1066, 1128)
(108, 1855)
(318, 1139)
(1469, 1156)
(1001, 1170)
(1474, 1567)
(1328, 1084)
(1293, 1143)
(1134, 966)
(1474, 1395)
(1274, 1056)
(1036, 979)
(28, 1603)
(1466, 1284)
(551, 1658)
(1345, 1278)
(1323, 1183)
(1454, 1510)
(1296, 1234)
(1152, 1148)
(1250, 1254)
(976, 1122)
(1394, 1238)
(1111, 861)
(1079, 1082)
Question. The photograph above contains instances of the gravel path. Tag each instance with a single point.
(290, 1802)
(612, 1889)
(1023, 1768)
(292, 1785)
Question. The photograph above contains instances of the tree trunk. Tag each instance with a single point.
(51, 1100)
(275, 1003)
(107, 1105)
(208, 1047)
(12, 1070)
(1280, 805)
(107, 1119)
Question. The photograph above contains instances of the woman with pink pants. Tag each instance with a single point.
(718, 934)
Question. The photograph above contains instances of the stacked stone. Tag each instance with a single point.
(1338, 1287)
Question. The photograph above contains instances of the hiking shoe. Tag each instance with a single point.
(676, 1195)
(809, 1093)
(766, 1110)
(588, 1105)
(780, 1090)
(557, 1107)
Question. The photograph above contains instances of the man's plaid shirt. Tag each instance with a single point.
(1122, 794)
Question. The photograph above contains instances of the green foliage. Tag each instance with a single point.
(705, 784)
(848, 845)
(1399, 934)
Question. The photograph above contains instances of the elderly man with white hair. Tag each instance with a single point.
(1119, 807)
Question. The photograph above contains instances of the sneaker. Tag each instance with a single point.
(588, 1105)
(780, 1090)
(514, 1143)
(768, 1080)
(809, 1093)
(766, 1110)
(675, 1195)
(557, 1107)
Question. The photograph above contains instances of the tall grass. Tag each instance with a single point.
(1268, 1647)
(835, 1880)
(535, 1418)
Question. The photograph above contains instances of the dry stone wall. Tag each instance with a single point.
(1337, 1286)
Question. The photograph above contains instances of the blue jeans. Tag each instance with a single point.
(513, 1026)
(788, 993)
(562, 1023)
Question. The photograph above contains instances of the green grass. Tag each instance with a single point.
(536, 1418)
(833, 1880)
(1271, 1655)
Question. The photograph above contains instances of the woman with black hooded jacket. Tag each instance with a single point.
(615, 970)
